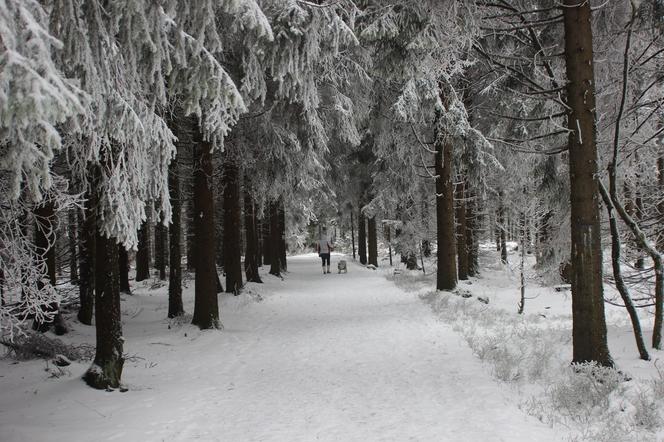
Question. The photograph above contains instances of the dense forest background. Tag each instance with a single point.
(217, 137)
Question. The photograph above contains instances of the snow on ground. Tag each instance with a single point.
(311, 357)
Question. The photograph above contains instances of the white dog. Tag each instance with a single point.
(341, 265)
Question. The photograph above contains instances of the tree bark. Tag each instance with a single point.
(502, 230)
(251, 255)
(373, 241)
(143, 252)
(87, 254)
(175, 305)
(461, 231)
(446, 274)
(73, 241)
(282, 235)
(232, 232)
(160, 246)
(352, 232)
(265, 234)
(473, 233)
(123, 266)
(589, 327)
(275, 239)
(362, 238)
(106, 370)
(191, 235)
(206, 307)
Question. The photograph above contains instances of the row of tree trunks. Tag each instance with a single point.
(461, 231)
(275, 239)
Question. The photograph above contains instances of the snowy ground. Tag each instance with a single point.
(313, 357)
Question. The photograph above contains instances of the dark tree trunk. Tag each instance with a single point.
(373, 241)
(191, 236)
(87, 254)
(660, 205)
(275, 239)
(143, 252)
(472, 233)
(265, 233)
(589, 326)
(232, 232)
(282, 235)
(123, 266)
(446, 276)
(362, 239)
(45, 239)
(461, 231)
(388, 238)
(160, 247)
(206, 307)
(175, 305)
(73, 241)
(502, 231)
(352, 232)
(106, 369)
(251, 255)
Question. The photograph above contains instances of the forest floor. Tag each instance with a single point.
(366, 355)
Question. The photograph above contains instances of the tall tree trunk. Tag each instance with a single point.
(143, 252)
(73, 241)
(502, 229)
(191, 235)
(388, 238)
(175, 305)
(45, 239)
(265, 233)
(232, 232)
(589, 326)
(660, 205)
(206, 307)
(275, 239)
(251, 254)
(472, 232)
(373, 241)
(87, 254)
(123, 266)
(106, 369)
(446, 276)
(282, 235)
(362, 238)
(462, 231)
(160, 246)
(352, 232)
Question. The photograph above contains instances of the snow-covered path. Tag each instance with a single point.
(323, 357)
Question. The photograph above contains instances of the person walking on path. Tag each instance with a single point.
(324, 248)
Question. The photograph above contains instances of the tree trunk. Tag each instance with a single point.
(175, 305)
(123, 266)
(251, 255)
(206, 307)
(461, 231)
(265, 234)
(352, 232)
(143, 252)
(232, 232)
(362, 239)
(473, 233)
(191, 235)
(106, 369)
(446, 275)
(282, 235)
(589, 326)
(160, 246)
(388, 238)
(73, 241)
(660, 204)
(45, 238)
(275, 239)
(373, 242)
(87, 254)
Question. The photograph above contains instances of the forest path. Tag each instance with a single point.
(347, 357)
